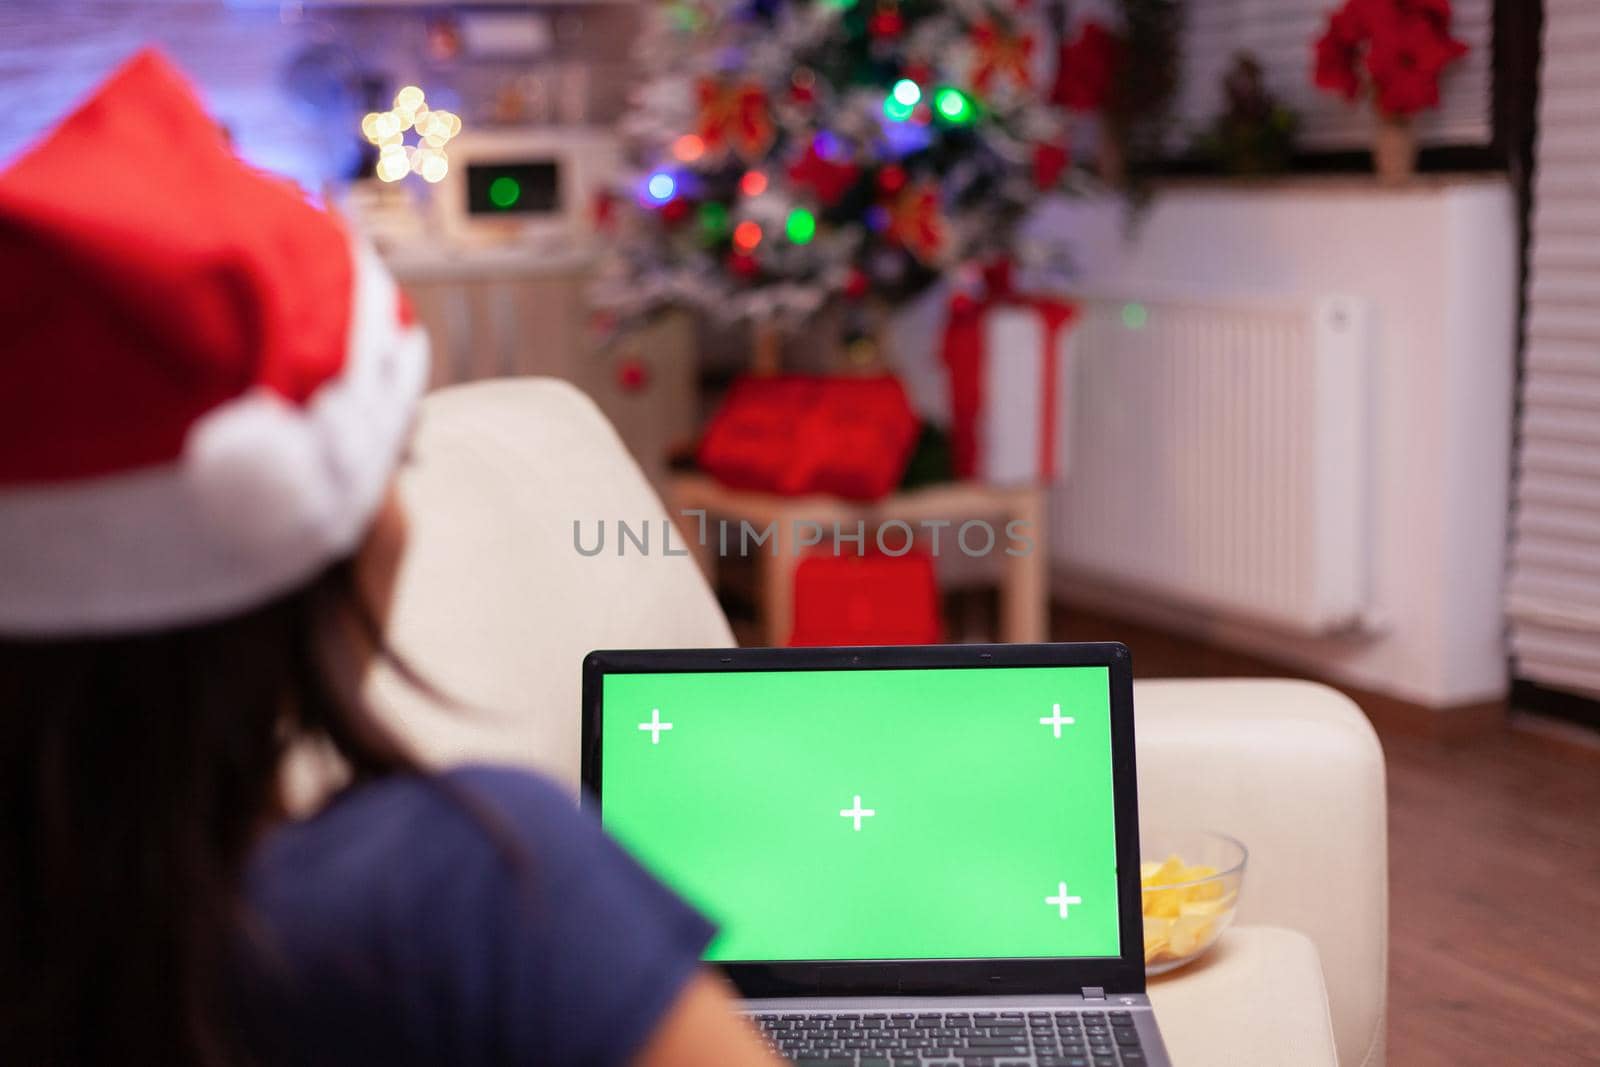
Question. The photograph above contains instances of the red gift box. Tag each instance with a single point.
(851, 437)
(871, 599)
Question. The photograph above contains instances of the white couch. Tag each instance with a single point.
(496, 607)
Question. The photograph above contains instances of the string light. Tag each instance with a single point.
(1135, 316)
(754, 183)
(434, 127)
(747, 235)
(801, 226)
(713, 220)
(661, 187)
(907, 92)
(953, 106)
(689, 148)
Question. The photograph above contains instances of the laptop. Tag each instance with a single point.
(914, 855)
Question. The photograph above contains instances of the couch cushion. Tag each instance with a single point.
(1294, 770)
(1255, 1000)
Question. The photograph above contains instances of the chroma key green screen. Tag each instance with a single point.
(872, 814)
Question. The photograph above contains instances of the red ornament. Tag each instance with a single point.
(918, 72)
(632, 375)
(1086, 69)
(803, 86)
(886, 23)
(828, 179)
(675, 210)
(892, 178)
(856, 283)
(743, 264)
(1049, 163)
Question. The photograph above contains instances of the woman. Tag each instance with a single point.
(204, 394)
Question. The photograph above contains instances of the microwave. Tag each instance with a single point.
(528, 185)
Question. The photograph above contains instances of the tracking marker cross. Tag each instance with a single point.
(1055, 720)
(655, 726)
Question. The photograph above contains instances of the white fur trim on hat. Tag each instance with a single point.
(265, 495)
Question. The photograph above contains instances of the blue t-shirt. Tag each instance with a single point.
(472, 918)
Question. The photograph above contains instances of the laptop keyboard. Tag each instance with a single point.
(955, 1039)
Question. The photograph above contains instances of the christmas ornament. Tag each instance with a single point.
(1001, 56)
(734, 116)
(915, 222)
(825, 178)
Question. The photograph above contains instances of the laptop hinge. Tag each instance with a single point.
(1094, 992)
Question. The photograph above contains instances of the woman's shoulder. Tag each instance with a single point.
(374, 838)
(459, 911)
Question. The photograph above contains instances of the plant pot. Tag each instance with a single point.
(1394, 149)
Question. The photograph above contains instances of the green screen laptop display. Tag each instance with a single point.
(873, 814)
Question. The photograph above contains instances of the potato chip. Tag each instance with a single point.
(1185, 907)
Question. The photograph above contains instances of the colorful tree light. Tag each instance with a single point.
(747, 235)
(907, 92)
(801, 226)
(713, 220)
(754, 183)
(689, 148)
(954, 106)
(661, 187)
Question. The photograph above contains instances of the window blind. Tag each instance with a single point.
(1553, 595)
(1280, 33)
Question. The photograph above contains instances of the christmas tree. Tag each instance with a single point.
(789, 152)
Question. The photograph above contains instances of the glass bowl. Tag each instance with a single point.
(1190, 881)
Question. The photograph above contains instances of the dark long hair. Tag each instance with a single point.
(136, 773)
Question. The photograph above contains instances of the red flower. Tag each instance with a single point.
(1406, 46)
(1335, 68)
(1405, 61)
(1086, 68)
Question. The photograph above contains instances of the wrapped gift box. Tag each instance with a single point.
(867, 599)
(850, 437)
(1022, 427)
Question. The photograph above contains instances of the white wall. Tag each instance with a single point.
(1438, 260)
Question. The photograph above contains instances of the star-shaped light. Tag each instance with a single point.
(434, 128)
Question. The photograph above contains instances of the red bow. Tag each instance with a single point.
(916, 223)
(735, 116)
(1000, 53)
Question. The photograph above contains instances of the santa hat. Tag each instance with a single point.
(205, 381)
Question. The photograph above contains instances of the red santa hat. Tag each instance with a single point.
(205, 381)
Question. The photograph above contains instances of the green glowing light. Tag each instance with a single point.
(1135, 316)
(504, 192)
(906, 92)
(801, 226)
(713, 220)
(954, 106)
(896, 110)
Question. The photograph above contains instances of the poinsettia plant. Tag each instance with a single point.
(1398, 47)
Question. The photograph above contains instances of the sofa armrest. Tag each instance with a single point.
(1294, 770)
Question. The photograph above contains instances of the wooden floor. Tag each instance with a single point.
(1494, 859)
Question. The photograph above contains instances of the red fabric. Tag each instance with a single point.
(851, 437)
(870, 599)
(149, 276)
(963, 355)
(1086, 69)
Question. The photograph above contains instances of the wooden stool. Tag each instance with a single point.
(1024, 576)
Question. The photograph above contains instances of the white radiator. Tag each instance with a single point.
(1220, 455)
